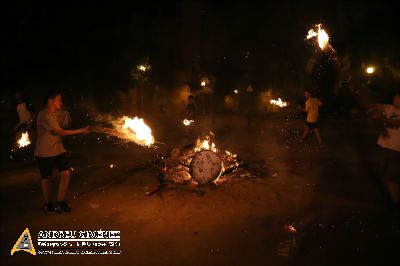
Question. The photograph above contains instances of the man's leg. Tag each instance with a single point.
(318, 136)
(63, 186)
(393, 190)
(305, 132)
(45, 189)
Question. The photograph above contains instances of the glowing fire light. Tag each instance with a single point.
(111, 166)
(203, 83)
(187, 122)
(279, 102)
(24, 140)
(236, 91)
(142, 68)
(135, 129)
(370, 70)
(323, 37)
(206, 144)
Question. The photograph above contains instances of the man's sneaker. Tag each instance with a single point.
(49, 207)
(62, 206)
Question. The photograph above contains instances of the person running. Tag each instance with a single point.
(311, 108)
(50, 152)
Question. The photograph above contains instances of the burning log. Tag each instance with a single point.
(200, 162)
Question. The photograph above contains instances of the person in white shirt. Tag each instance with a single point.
(23, 113)
(389, 140)
(311, 108)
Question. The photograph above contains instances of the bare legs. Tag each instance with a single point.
(316, 133)
(62, 188)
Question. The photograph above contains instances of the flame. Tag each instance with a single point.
(323, 37)
(135, 129)
(370, 70)
(143, 68)
(278, 102)
(187, 122)
(24, 140)
(180, 173)
(205, 144)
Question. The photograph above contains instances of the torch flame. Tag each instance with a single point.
(323, 37)
(279, 102)
(135, 129)
(370, 70)
(187, 122)
(24, 140)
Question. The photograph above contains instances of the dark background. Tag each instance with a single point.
(92, 46)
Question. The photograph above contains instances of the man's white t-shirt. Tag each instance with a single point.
(48, 144)
(392, 141)
(23, 113)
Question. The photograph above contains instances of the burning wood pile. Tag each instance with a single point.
(201, 163)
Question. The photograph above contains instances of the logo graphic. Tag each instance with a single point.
(24, 243)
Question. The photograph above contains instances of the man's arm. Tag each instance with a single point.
(66, 132)
(302, 109)
(391, 122)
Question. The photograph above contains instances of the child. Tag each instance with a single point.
(50, 151)
(312, 106)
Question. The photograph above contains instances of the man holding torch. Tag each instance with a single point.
(311, 108)
(50, 151)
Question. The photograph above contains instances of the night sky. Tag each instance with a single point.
(97, 44)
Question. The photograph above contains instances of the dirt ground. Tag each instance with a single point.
(332, 196)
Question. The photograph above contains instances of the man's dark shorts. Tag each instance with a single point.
(390, 164)
(312, 125)
(46, 164)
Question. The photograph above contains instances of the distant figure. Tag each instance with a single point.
(190, 113)
(249, 102)
(50, 152)
(24, 114)
(389, 140)
(312, 106)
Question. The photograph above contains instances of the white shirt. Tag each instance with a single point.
(392, 141)
(48, 144)
(23, 113)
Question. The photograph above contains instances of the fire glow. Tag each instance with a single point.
(322, 36)
(24, 140)
(279, 102)
(187, 122)
(179, 174)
